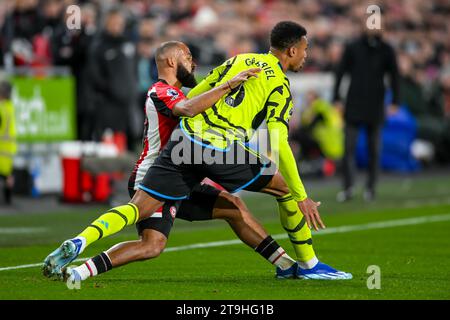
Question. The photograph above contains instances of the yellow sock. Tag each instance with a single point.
(110, 223)
(294, 223)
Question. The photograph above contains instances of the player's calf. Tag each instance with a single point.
(234, 211)
(151, 245)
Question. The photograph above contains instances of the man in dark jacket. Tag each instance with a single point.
(71, 48)
(367, 60)
(113, 77)
(20, 27)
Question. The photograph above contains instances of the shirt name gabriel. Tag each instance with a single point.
(263, 65)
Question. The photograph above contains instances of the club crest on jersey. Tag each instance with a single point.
(172, 93)
(173, 211)
(229, 101)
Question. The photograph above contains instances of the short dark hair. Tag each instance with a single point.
(286, 34)
(164, 47)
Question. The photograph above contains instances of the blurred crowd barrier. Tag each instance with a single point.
(49, 158)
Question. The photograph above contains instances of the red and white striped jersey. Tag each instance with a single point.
(158, 126)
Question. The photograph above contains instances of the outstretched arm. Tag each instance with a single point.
(285, 160)
(190, 107)
(279, 107)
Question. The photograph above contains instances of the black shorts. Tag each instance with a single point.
(198, 207)
(184, 162)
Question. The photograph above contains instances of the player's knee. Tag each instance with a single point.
(240, 212)
(152, 247)
(150, 253)
(151, 250)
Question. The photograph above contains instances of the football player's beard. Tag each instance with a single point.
(186, 78)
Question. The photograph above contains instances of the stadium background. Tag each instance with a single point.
(61, 182)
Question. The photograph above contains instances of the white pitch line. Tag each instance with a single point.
(343, 229)
(334, 230)
(14, 230)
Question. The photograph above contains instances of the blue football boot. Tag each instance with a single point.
(288, 273)
(322, 271)
(61, 257)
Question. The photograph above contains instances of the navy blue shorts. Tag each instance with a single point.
(198, 207)
(184, 163)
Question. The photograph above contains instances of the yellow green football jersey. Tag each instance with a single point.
(238, 114)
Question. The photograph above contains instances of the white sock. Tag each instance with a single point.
(308, 264)
(281, 259)
(86, 270)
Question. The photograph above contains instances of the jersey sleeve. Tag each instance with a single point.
(165, 98)
(279, 105)
(279, 109)
(213, 78)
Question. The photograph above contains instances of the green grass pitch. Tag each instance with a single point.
(413, 254)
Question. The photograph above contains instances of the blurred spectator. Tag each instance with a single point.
(70, 48)
(20, 27)
(147, 74)
(443, 146)
(411, 93)
(318, 139)
(424, 100)
(51, 17)
(367, 60)
(8, 146)
(321, 131)
(112, 77)
(51, 23)
(5, 9)
(413, 27)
